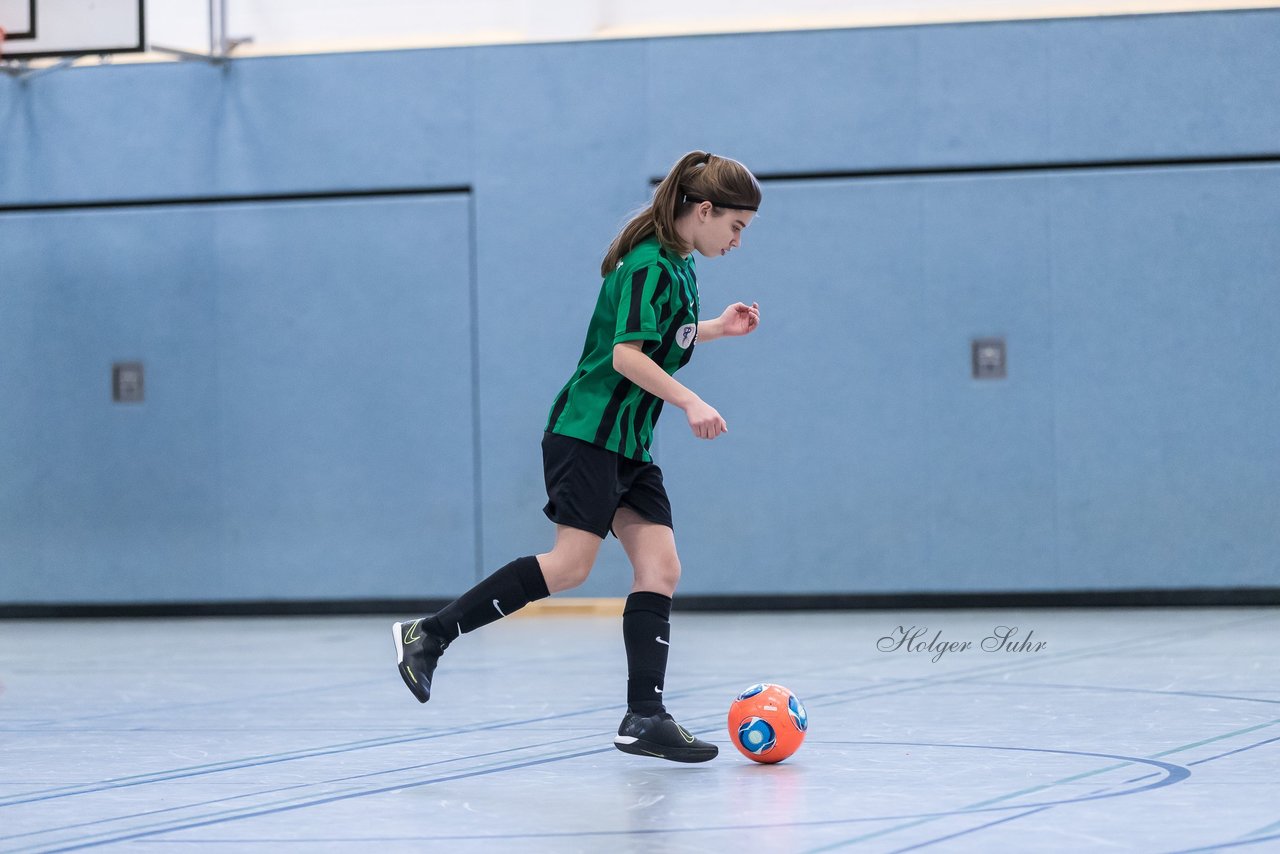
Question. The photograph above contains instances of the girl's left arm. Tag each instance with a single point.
(737, 319)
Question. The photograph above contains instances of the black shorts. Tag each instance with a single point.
(586, 484)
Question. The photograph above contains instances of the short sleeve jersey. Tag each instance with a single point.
(651, 297)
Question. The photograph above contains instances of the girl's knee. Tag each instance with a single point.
(564, 572)
(659, 577)
(575, 574)
(570, 560)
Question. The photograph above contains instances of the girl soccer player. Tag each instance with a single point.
(599, 474)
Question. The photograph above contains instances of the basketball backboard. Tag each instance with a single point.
(38, 28)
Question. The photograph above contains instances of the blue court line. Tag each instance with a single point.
(329, 800)
(821, 822)
(1220, 756)
(1218, 846)
(224, 817)
(51, 725)
(273, 759)
(1003, 666)
(1176, 774)
(717, 828)
(915, 684)
(963, 832)
(591, 833)
(919, 684)
(983, 806)
(1125, 690)
(1210, 759)
(266, 759)
(1096, 794)
(1173, 774)
(334, 780)
(147, 813)
(1269, 827)
(1118, 689)
(361, 746)
(218, 767)
(1205, 741)
(364, 744)
(1238, 750)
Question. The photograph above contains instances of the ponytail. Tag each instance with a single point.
(698, 176)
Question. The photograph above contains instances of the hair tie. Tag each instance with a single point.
(709, 156)
(685, 199)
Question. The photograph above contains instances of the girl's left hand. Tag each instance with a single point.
(740, 318)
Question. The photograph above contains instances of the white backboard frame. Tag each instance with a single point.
(72, 27)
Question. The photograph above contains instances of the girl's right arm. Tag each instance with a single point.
(630, 361)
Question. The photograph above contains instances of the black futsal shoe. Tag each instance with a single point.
(417, 652)
(658, 735)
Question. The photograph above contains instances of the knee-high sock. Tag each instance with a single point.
(504, 592)
(646, 632)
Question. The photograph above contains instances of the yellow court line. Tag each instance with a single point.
(571, 606)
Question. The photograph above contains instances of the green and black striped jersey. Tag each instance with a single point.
(651, 297)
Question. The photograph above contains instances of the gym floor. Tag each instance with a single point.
(1107, 730)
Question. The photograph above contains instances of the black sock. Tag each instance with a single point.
(504, 592)
(646, 632)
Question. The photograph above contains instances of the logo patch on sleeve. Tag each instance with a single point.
(686, 334)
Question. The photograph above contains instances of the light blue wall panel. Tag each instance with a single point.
(794, 101)
(344, 406)
(1145, 86)
(307, 431)
(1173, 85)
(108, 133)
(277, 125)
(355, 121)
(559, 162)
(104, 501)
(1036, 91)
(1167, 306)
(861, 455)
(1133, 444)
(310, 429)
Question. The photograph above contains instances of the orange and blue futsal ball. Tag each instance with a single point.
(767, 723)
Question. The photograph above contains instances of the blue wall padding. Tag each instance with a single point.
(345, 397)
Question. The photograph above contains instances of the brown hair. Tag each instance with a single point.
(696, 177)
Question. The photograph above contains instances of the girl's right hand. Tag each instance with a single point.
(705, 422)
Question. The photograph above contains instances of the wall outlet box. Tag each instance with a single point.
(988, 359)
(126, 382)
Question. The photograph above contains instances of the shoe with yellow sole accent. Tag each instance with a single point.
(417, 653)
(659, 735)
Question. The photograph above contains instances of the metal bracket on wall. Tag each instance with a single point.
(22, 70)
(220, 44)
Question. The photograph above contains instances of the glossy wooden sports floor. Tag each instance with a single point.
(1152, 730)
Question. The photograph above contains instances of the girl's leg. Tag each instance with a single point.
(646, 619)
(420, 643)
(651, 548)
(647, 729)
(570, 560)
(520, 582)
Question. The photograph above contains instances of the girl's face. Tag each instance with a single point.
(717, 231)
